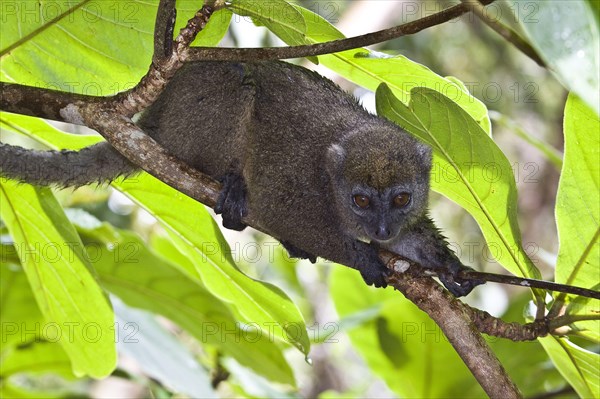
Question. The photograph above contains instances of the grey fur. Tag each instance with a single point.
(95, 164)
(291, 149)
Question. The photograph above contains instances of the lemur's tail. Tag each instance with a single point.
(95, 164)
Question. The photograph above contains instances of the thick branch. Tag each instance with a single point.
(42, 103)
(142, 150)
(454, 320)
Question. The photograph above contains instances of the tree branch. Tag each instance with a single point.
(164, 27)
(478, 8)
(454, 320)
(529, 282)
(168, 57)
(335, 46)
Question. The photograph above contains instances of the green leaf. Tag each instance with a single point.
(215, 29)
(361, 66)
(43, 132)
(469, 168)
(129, 270)
(257, 302)
(24, 349)
(279, 16)
(577, 219)
(577, 210)
(566, 34)
(36, 357)
(20, 317)
(588, 308)
(552, 154)
(60, 275)
(403, 345)
(252, 385)
(88, 47)
(579, 366)
(81, 52)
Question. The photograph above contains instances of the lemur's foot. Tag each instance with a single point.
(296, 252)
(232, 202)
(456, 285)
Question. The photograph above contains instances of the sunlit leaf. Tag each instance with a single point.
(469, 168)
(20, 316)
(403, 346)
(567, 36)
(60, 276)
(577, 210)
(579, 366)
(258, 303)
(129, 270)
(79, 46)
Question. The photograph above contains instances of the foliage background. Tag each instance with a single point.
(365, 342)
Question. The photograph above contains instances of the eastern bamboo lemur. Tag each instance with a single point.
(294, 151)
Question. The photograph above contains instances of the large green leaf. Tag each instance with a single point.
(258, 303)
(59, 273)
(578, 263)
(567, 36)
(579, 366)
(129, 270)
(89, 47)
(296, 25)
(83, 50)
(403, 346)
(19, 314)
(43, 132)
(24, 352)
(469, 168)
(578, 198)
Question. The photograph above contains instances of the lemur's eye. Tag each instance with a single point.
(401, 200)
(361, 201)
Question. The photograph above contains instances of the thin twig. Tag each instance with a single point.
(507, 33)
(335, 46)
(529, 282)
